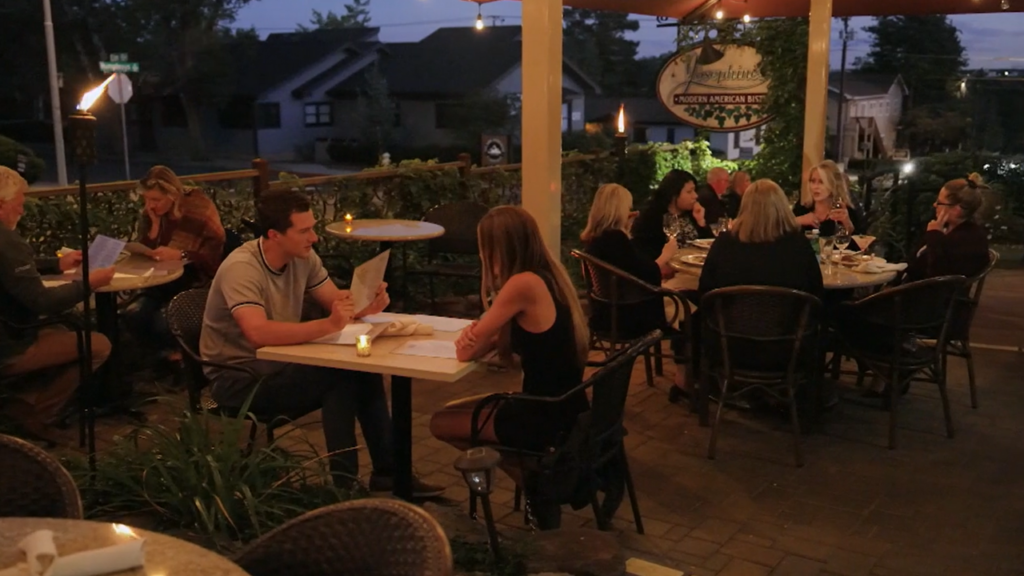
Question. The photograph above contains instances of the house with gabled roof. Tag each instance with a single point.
(295, 89)
(873, 106)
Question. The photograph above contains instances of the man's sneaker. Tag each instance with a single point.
(420, 489)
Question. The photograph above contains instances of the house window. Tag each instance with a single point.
(640, 134)
(670, 135)
(446, 115)
(318, 114)
(268, 115)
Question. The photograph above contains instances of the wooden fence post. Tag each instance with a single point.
(261, 181)
(467, 164)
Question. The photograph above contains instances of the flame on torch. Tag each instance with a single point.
(622, 119)
(90, 97)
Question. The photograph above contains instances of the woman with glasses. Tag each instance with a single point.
(954, 244)
(676, 195)
(176, 224)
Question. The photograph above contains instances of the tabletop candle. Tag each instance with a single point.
(348, 218)
(363, 346)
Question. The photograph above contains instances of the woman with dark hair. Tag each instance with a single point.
(954, 243)
(676, 194)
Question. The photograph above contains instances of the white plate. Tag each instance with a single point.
(693, 259)
(703, 243)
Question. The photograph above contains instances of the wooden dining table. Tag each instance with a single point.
(402, 369)
(836, 278)
(164, 555)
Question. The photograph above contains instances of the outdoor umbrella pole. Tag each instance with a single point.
(83, 139)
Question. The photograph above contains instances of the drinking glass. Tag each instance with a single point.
(716, 228)
(670, 225)
(842, 240)
(827, 243)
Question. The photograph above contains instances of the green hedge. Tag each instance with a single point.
(9, 153)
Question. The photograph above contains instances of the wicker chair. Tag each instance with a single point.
(965, 306)
(759, 338)
(371, 537)
(34, 484)
(876, 332)
(615, 288)
(185, 319)
(591, 459)
(459, 220)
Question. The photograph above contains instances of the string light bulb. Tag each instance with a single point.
(719, 15)
(746, 18)
(1005, 4)
(479, 18)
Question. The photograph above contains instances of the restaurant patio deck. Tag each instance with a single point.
(934, 506)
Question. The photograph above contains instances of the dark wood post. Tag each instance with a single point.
(261, 181)
(467, 164)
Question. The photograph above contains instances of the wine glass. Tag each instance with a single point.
(670, 225)
(842, 239)
(827, 243)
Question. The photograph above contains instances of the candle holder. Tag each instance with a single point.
(363, 346)
(348, 219)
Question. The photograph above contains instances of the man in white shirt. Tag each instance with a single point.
(256, 300)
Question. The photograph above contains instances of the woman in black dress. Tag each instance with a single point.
(817, 208)
(677, 194)
(535, 315)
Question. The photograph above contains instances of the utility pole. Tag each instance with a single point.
(846, 36)
(58, 119)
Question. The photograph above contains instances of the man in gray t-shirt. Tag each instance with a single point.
(256, 300)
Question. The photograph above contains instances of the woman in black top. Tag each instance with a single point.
(763, 246)
(535, 315)
(677, 194)
(826, 185)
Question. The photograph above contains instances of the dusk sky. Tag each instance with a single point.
(989, 38)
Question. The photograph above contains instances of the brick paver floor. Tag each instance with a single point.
(934, 506)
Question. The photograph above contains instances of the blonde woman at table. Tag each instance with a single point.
(177, 224)
(607, 238)
(826, 186)
(535, 315)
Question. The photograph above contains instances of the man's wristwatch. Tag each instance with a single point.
(184, 255)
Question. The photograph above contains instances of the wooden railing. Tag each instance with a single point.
(260, 176)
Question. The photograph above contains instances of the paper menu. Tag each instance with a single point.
(442, 324)
(366, 278)
(138, 248)
(428, 348)
(104, 251)
(347, 336)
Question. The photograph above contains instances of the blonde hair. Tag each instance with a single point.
(510, 244)
(10, 184)
(764, 214)
(966, 193)
(162, 179)
(832, 178)
(610, 211)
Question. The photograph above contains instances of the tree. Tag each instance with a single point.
(782, 44)
(357, 15)
(925, 50)
(596, 42)
(376, 111)
(187, 45)
(483, 112)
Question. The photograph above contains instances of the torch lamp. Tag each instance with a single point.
(82, 126)
(477, 466)
(620, 139)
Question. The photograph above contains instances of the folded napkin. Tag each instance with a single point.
(407, 328)
(42, 560)
(876, 267)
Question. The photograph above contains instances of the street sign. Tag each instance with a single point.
(119, 57)
(123, 67)
(120, 89)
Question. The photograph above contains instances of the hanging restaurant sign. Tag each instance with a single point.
(716, 87)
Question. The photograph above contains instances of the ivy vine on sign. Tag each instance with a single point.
(716, 87)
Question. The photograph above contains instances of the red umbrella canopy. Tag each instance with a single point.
(769, 8)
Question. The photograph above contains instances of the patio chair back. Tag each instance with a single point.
(459, 220)
(369, 536)
(921, 308)
(965, 305)
(34, 484)
(185, 320)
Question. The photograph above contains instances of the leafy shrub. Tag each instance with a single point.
(10, 151)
